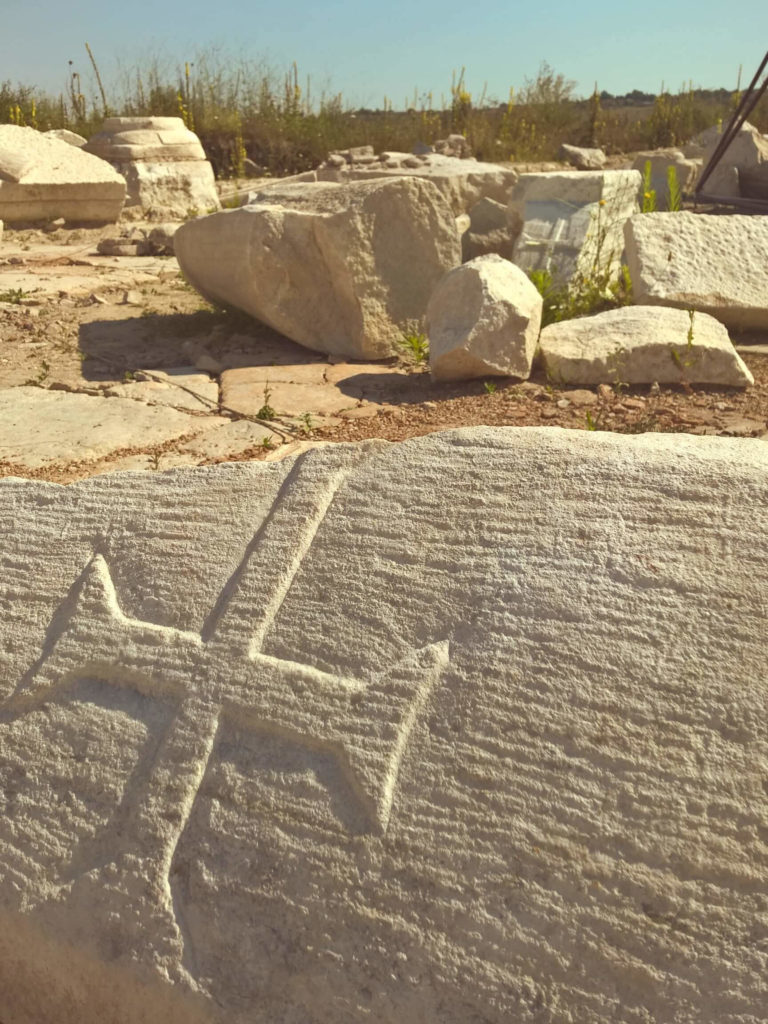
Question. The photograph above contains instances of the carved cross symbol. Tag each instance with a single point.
(222, 673)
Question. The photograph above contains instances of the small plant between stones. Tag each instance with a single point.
(266, 412)
(416, 345)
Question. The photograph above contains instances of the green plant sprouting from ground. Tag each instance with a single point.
(648, 204)
(12, 296)
(266, 412)
(687, 359)
(674, 193)
(416, 346)
(490, 387)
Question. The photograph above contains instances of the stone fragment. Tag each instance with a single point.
(642, 344)
(490, 231)
(743, 163)
(181, 388)
(661, 160)
(161, 238)
(65, 135)
(483, 320)
(463, 182)
(39, 427)
(572, 221)
(466, 729)
(713, 264)
(42, 178)
(231, 440)
(583, 158)
(163, 163)
(337, 268)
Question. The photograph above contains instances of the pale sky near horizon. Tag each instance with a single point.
(369, 51)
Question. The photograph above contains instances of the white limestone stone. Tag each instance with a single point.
(747, 152)
(572, 221)
(163, 163)
(640, 345)
(661, 160)
(483, 320)
(338, 268)
(586, 159)
(463, 182)
(39, 427)
(67, 136)
(715, 264)
(466, 729)
(44, 178)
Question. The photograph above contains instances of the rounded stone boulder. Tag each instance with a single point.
(483, 320)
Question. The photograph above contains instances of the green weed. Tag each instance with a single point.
(266, 412)
(417, 346)
(13, 296)
(490, 387)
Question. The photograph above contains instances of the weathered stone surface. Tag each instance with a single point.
(163, 163)
(584, 158)
(694, 261)
(467, 729)
(463, 182)
(661, 160)
(746, 155)
(573, 220)
(640, 345)
(65, 135)
(483, 320)
(490, 231)
(39, 427)
(42, 178)
(338, 268)
(181, 388)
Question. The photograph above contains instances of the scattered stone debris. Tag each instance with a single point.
(584, 159)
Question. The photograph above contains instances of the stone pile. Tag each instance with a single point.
(342, 269)
(44, 178)
(462, 180)
(466, 729)
(163, 163)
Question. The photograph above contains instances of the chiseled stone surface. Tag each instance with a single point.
(714, 264)
(483, 319)
(572, 221)
(341, 269)
(466, 729)
(640, 345)
(43, 178)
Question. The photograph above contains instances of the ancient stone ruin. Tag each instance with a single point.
(163, 163)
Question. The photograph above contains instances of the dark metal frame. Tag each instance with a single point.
(749, 100)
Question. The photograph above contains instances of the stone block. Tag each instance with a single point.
(640, 345)
(714, 264)
(44, 178)
(338, 268)
(470, 728)
(572, 221)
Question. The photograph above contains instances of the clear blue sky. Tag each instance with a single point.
(391, 47)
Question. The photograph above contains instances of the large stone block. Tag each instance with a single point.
(640, 345)
(573, 221)
(44, 178)
(714, 264)
(467, 729)
(163, 163)
(483, 320)
(462, 182)
(745, 157)
(338, 268)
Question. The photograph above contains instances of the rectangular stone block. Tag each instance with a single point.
(466, 729)
(573, 221)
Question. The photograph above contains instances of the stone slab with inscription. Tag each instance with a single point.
(466, 729)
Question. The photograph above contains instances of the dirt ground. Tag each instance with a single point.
(73, 320)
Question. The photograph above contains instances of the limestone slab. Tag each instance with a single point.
(39, 427)
(466, 729)
(338, 268)
(181, 388)
(715, 264)
(43, 178)
(573, 220)
(640, 345)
